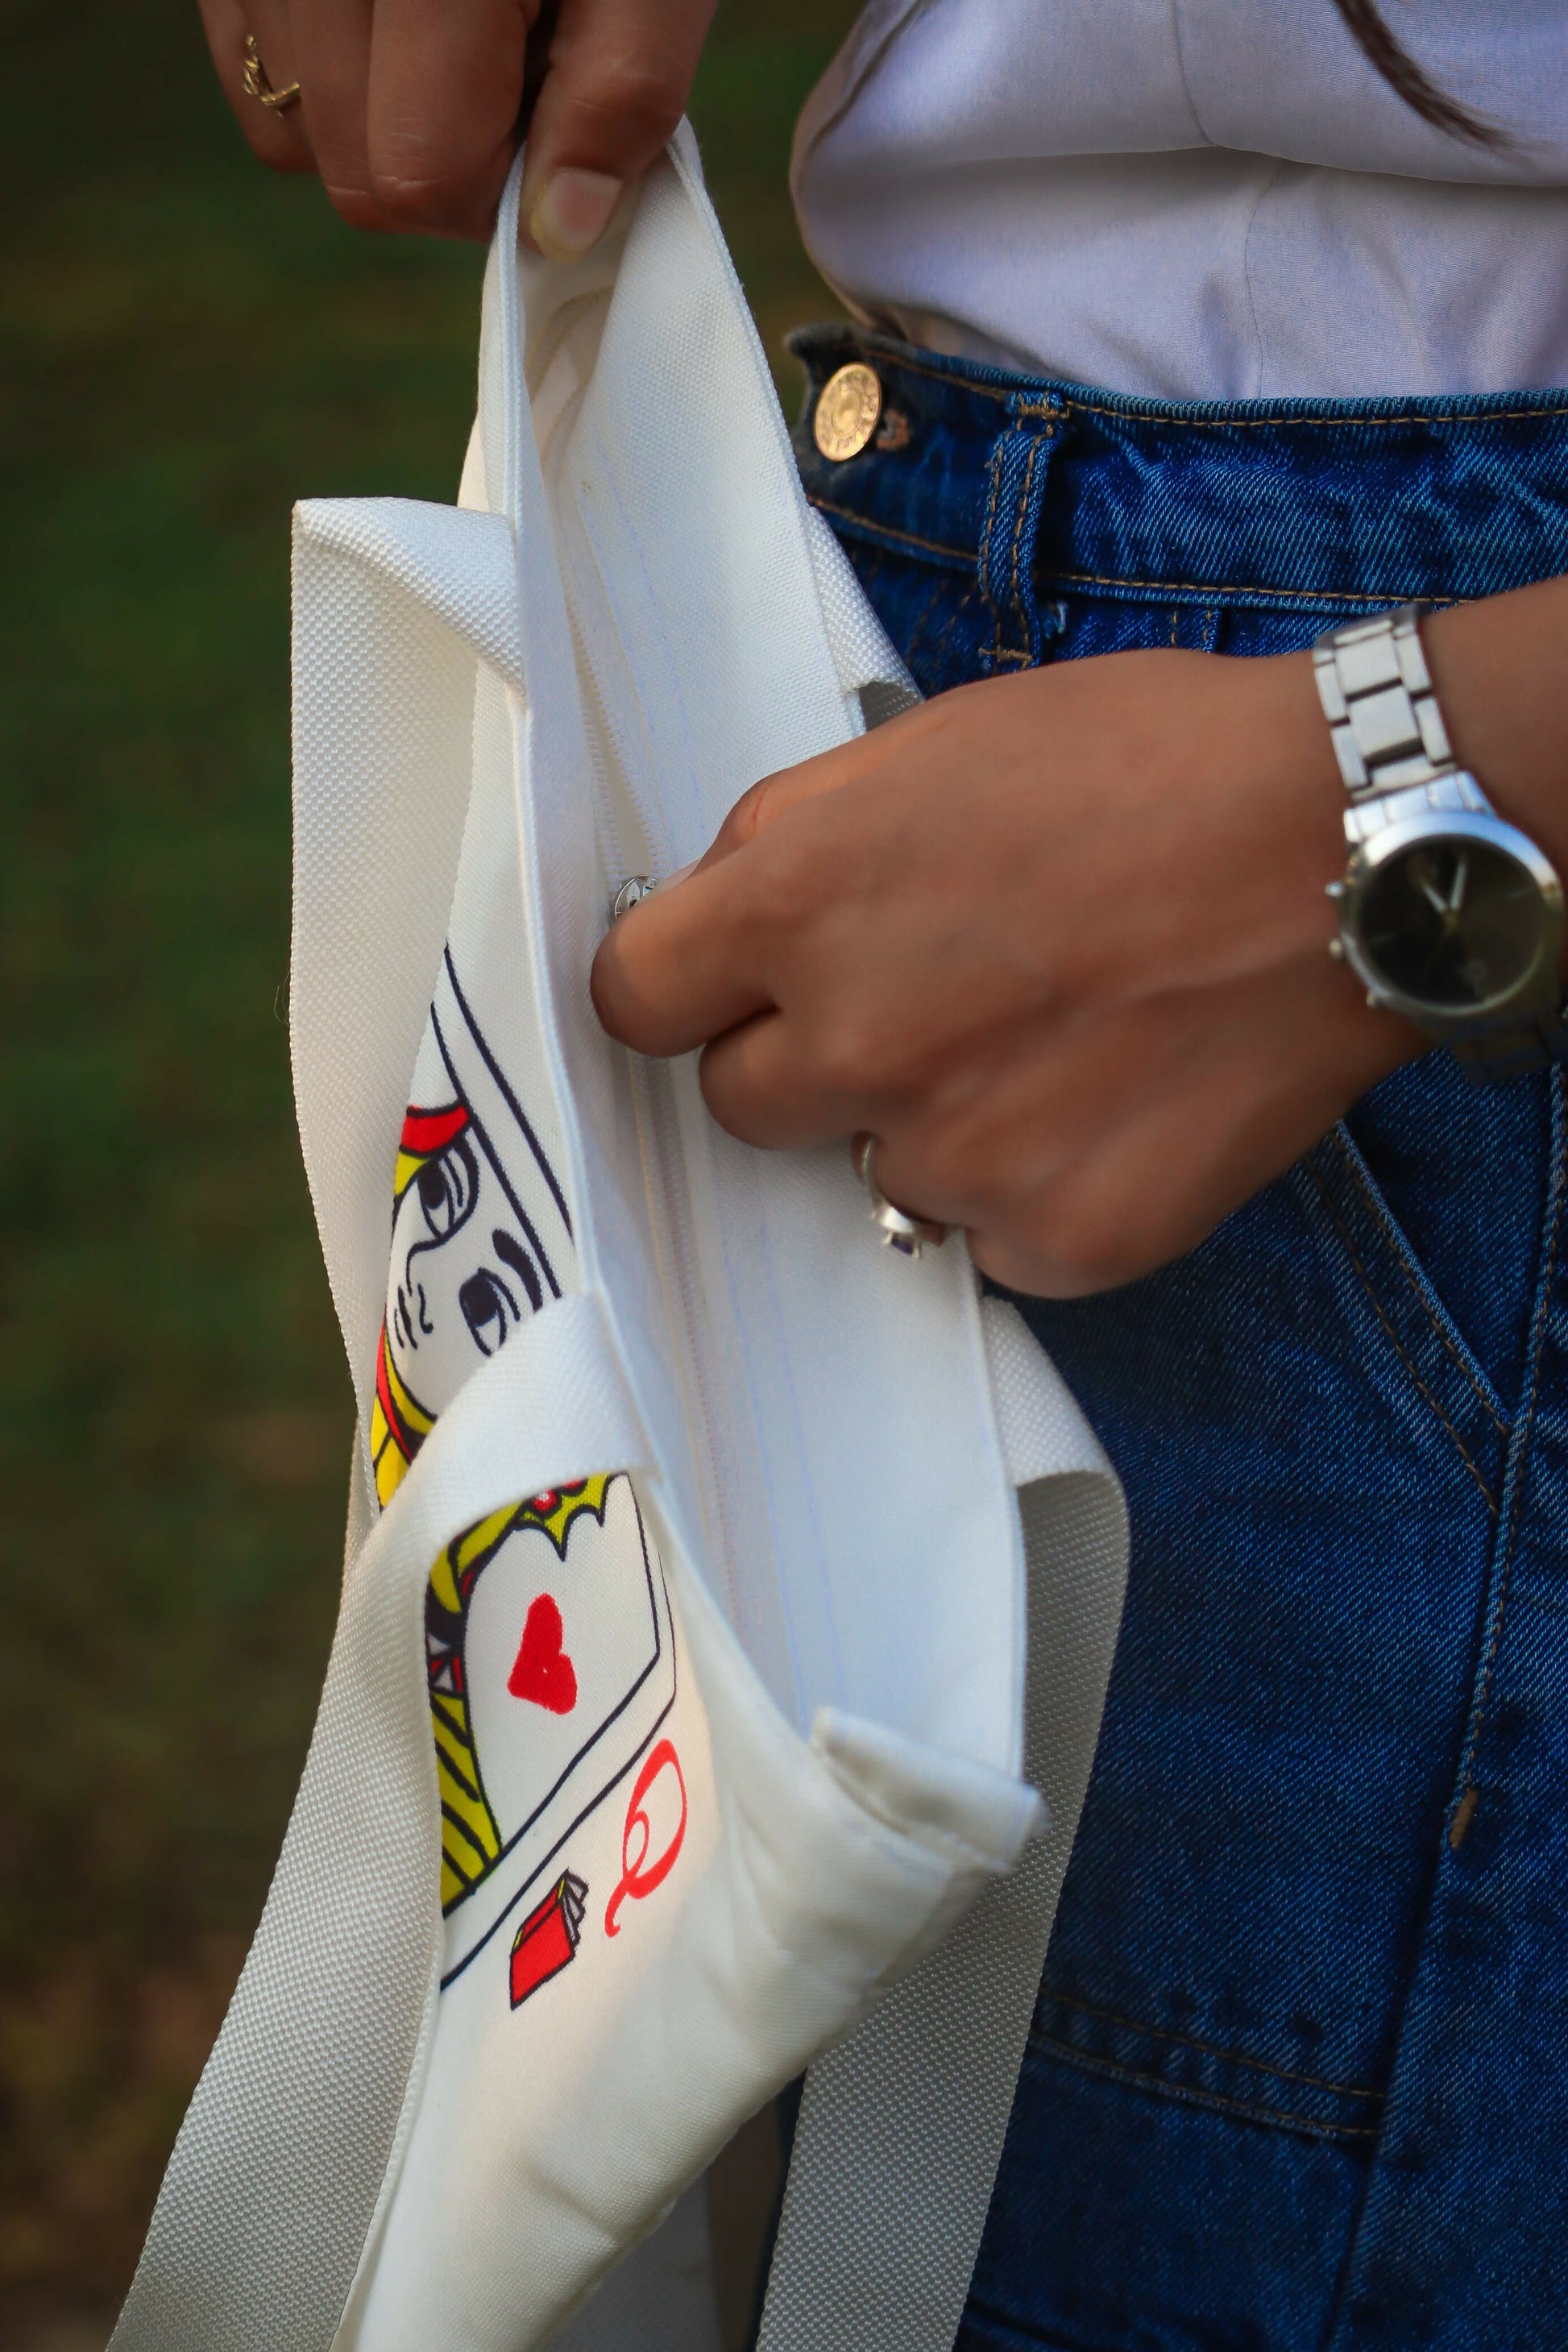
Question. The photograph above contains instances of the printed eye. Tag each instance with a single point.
(488, 1310)
(512, 1254)
(448, 1185)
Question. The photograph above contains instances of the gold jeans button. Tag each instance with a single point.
(848, 408)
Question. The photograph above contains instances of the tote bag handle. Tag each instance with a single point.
(272, 2191)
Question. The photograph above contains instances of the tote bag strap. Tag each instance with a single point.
(901, 2126)
(274, 2185)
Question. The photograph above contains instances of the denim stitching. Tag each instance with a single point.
(1019, 520)
(1393, 1339)
(1526, 1429)
(1282, 417)
(1374, 600)
(982, 552)
(997, 651)
(1407, 1269)
(1162, 414)
(1211, 2049)
(1282, 2118)
(965, 555)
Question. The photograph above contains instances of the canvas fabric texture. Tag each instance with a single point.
(676, 1708)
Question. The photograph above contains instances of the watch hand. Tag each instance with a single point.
(1455, 896)
(1434, 898)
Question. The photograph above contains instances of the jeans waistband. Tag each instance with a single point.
(1363, 503)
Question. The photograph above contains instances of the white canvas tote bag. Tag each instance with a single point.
(676, 1705)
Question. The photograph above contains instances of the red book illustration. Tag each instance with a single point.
(548, 1938)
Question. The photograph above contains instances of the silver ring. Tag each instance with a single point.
(897, 1229)
(632, 892)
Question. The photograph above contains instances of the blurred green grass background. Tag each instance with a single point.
(186, 346)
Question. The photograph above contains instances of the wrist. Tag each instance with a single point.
(1449, 914)
(1300, 797)
(1500, 670)
(1293, 851)
(1361, 1038)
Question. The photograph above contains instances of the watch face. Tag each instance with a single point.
(1453, 922)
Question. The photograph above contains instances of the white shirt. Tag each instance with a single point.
(1198, 199)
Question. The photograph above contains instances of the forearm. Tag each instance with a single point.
(1501, 668)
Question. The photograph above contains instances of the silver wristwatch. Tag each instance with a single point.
(1447, 914)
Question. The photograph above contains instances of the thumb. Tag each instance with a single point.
(615, 82)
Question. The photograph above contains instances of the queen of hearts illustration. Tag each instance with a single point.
(549, 1643)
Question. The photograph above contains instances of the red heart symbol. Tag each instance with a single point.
(542, 1671)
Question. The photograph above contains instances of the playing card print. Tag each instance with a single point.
(549, 1645)
(548, 1938)
(471, 1840)
(655, 1830)
(552, 1663)
(542, 1670)
(480, 1235)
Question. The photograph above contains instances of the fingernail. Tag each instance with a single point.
(572, 213)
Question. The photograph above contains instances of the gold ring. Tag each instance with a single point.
(256, 85)
(895, 1227)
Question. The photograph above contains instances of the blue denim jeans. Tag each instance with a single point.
(1298, 2078)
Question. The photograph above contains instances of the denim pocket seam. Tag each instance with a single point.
(964, 556)
(1414, 1282)
(1231, 592)
(1406, 1358)
(1276, 2118)
(1209, 2049)
(1213, 591)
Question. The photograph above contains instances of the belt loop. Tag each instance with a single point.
(1017, 468)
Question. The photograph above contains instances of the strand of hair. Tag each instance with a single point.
(1407, 81)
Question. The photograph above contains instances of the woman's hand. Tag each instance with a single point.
(1059, 942)
(411, 110)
